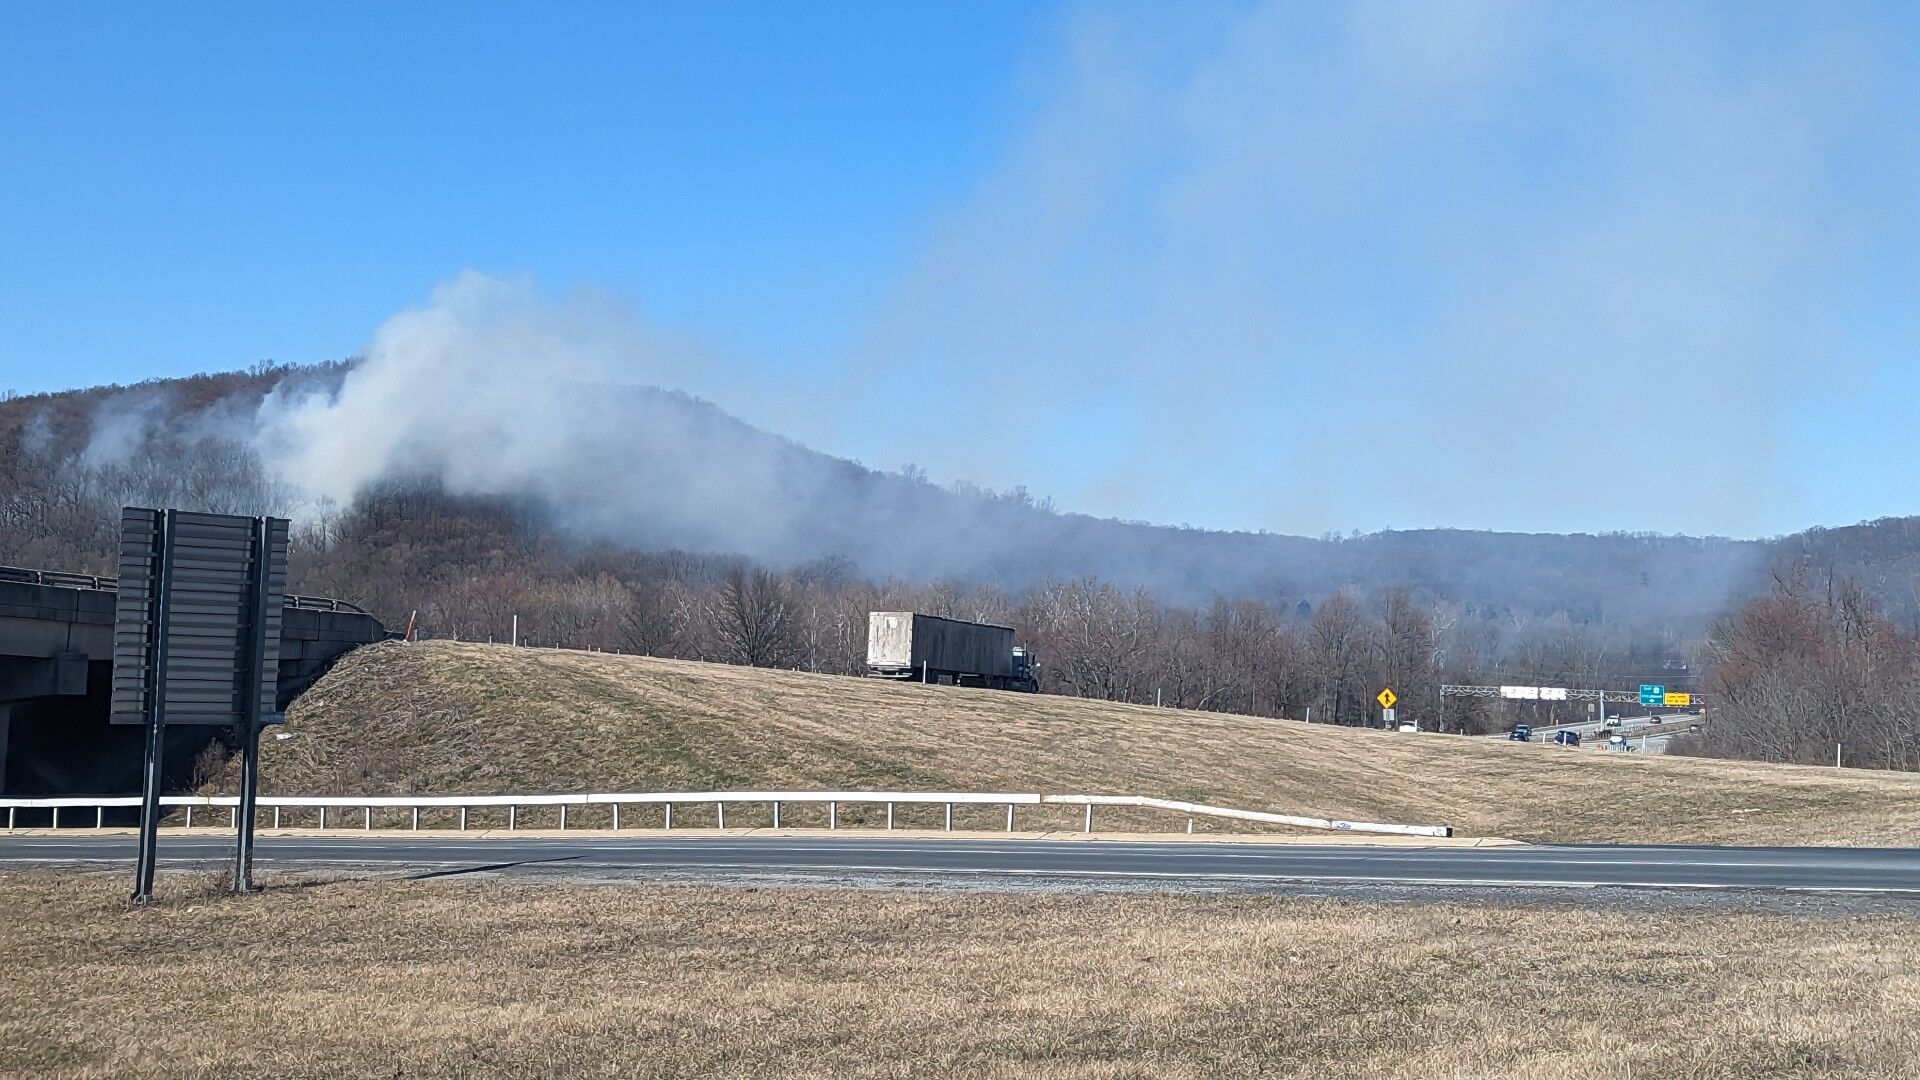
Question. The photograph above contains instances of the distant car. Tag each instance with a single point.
(1653, 719)
(1521, 733)
(1567, 738)
(1617, 742)
(1613, 721)
(1409, 727)
(1693, 727)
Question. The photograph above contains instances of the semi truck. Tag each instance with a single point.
(907, 645)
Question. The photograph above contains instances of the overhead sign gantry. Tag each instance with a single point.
(1649, 694)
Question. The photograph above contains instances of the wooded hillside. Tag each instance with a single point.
(1235, 622)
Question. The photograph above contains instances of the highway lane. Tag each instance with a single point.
(1641, 733)
(1824, 869)
(1628, 725)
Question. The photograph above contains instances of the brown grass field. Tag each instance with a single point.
(467, 979)
(442, 717)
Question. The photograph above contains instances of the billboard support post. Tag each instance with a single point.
(250, 711)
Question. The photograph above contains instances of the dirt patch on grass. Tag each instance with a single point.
(404, 979)
(444, 717)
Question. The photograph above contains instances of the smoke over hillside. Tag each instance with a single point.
(490, 391)
(494, 391)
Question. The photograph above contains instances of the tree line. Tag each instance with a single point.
(475, 568)
(1814, 672)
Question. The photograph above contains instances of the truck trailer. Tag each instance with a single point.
(927, 648)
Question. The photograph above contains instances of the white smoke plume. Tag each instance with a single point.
(492, 389)
(486, 386)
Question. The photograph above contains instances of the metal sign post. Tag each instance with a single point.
(160, 604)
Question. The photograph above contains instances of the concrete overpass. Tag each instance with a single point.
(56, 683)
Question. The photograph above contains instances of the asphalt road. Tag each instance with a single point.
(1641, 733)
(1875, 870)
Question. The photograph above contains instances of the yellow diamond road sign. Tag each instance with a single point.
(1387, 698)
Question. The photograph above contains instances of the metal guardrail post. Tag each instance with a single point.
(99, 817)
(776, 813)
(323, 819)
(367, 823)
(512, 813)
(463, 819)
(276, 817)
(889, 816)
(720, 814)
(833, 814)
(563, 817)
(189, 817)
(669, 815)
(416, 819)
(56, 817)
(1009, 817)
(1089, 824)
(949, 817)
(616, 817)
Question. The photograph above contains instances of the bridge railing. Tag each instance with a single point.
(108, 583)
(324, 603)
(57, 578)
(276, 805)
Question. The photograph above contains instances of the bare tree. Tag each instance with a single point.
(657, 620)
(753, 618)
(1337, 648)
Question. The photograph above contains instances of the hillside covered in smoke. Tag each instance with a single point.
(646, 537)
(636, 468)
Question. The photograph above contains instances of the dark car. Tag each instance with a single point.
(1567, 738)
(1521, 733)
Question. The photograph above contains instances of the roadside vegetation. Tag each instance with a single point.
(441, 717)
(460, 978)
(1815, 671)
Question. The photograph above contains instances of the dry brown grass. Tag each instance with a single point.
(402, 979)
(445, 717)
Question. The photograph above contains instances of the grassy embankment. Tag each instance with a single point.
(440, 717)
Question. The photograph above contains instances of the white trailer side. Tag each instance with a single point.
(905, 644)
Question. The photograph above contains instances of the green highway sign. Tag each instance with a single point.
(1653, 694)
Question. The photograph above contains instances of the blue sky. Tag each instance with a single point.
(1282, 266)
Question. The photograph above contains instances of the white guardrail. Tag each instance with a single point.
(367, 804)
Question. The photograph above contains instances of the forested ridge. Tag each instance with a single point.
(1253, 623)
